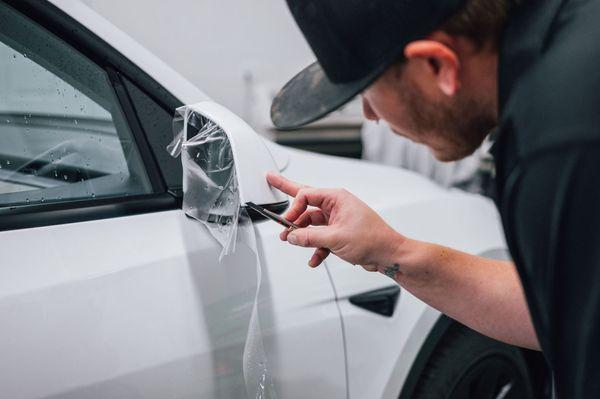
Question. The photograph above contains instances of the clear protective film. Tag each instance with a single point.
(210, 187)
(211, 196)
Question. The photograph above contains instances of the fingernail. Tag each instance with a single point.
(292, 239)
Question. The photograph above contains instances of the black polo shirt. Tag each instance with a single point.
(548, 167)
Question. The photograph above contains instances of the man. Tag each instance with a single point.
(445, 73)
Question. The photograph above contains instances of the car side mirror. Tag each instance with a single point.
(227, 138)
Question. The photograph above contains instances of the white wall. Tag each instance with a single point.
(231, 49)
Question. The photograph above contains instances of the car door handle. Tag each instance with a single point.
(381, 301)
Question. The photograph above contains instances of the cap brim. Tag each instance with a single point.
(310, 95)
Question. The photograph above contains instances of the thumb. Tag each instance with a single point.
(314, 237)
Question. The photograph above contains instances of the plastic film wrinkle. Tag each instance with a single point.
(211, 196)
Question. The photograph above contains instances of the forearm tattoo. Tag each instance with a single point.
(392, 271)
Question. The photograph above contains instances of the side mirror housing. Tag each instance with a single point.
(252, 159)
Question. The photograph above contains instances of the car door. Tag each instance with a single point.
(106, 288)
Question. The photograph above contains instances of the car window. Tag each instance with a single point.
(156, 122)
(63, 135)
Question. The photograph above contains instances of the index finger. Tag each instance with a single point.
(282, 184)
(309, 196)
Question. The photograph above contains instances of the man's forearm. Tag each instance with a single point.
(483, 294)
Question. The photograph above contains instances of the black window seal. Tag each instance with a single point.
(72, 211)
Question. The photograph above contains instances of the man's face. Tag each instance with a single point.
(453, 127)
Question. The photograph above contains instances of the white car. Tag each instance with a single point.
(108, 290)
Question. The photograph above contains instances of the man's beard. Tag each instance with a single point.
(460, 126)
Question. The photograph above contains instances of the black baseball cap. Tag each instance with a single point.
(354, 41)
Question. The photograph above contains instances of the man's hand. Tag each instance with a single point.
(333, 220)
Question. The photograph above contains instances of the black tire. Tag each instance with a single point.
(467, 365)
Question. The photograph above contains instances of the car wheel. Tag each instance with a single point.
(467, 365)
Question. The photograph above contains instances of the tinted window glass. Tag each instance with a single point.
(62, 132)
(156, 122)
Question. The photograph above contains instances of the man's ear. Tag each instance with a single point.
(441, 60)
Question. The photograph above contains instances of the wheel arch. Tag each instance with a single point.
(536, 364)
(428, 347)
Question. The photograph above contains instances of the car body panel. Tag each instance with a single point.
(148, 311)
(104, 309)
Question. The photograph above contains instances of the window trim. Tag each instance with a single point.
(116, 65)
(75, 211)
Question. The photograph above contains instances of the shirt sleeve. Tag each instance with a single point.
(552, 217)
